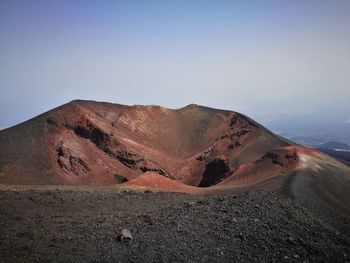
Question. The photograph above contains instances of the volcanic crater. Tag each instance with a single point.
(87, 142)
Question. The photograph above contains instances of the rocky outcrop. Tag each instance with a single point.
(70, 163)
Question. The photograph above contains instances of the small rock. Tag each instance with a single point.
(148, 191)
(125, 236)
(189, 204)
(290, 239)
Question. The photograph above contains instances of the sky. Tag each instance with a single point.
(271, 60)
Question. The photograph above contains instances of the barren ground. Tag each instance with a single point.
(70, 224)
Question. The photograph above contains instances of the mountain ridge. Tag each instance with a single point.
(95, 122)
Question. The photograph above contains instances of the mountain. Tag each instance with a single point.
(338, 150)
(333, 145)
(193, 149)
(87, 142)
(311, 129)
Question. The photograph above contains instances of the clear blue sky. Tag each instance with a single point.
(264, 58)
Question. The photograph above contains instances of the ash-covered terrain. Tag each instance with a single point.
(83, 225)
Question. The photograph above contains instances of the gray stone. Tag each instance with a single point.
(125, 236)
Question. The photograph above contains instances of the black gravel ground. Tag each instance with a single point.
(83, 226)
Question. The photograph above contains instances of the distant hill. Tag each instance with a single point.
(335, 146)
(338, 150)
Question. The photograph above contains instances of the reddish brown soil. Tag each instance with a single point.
(157, 182)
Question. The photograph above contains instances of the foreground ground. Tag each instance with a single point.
(82, 225)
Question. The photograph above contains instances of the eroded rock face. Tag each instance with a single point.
(93, 141)
(70, 163)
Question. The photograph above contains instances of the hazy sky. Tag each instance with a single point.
(264, 58)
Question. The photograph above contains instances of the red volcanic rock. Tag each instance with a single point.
(89, 143)
(161, 183)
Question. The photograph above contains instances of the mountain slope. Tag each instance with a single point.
(87, 142)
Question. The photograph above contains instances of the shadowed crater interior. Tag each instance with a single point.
(214, 172)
